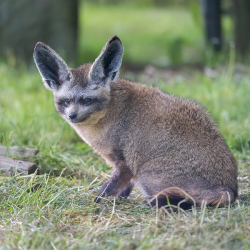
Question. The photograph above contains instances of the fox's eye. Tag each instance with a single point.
(67, 101)
(87, 101)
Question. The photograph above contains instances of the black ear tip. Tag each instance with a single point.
(114, 38)
(41, 45)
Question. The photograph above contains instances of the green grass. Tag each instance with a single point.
(49, 212)
(61, 215)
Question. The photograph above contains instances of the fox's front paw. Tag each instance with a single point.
(103, 192)
(97, 199)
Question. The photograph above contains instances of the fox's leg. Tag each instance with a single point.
(119, 181)
(126, 192)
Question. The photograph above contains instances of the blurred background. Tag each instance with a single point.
(198, 49)
(157, 32)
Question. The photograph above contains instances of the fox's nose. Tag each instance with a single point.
(72, 115)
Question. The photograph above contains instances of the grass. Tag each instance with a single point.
(55, 210)
(61, 215)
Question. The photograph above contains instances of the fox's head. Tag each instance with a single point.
(81, 95)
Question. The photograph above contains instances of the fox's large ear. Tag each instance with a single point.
(53, 69)
(105, 68)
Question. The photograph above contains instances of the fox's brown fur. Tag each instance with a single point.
(166, 145)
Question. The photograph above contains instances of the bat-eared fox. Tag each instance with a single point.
(167, 146)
